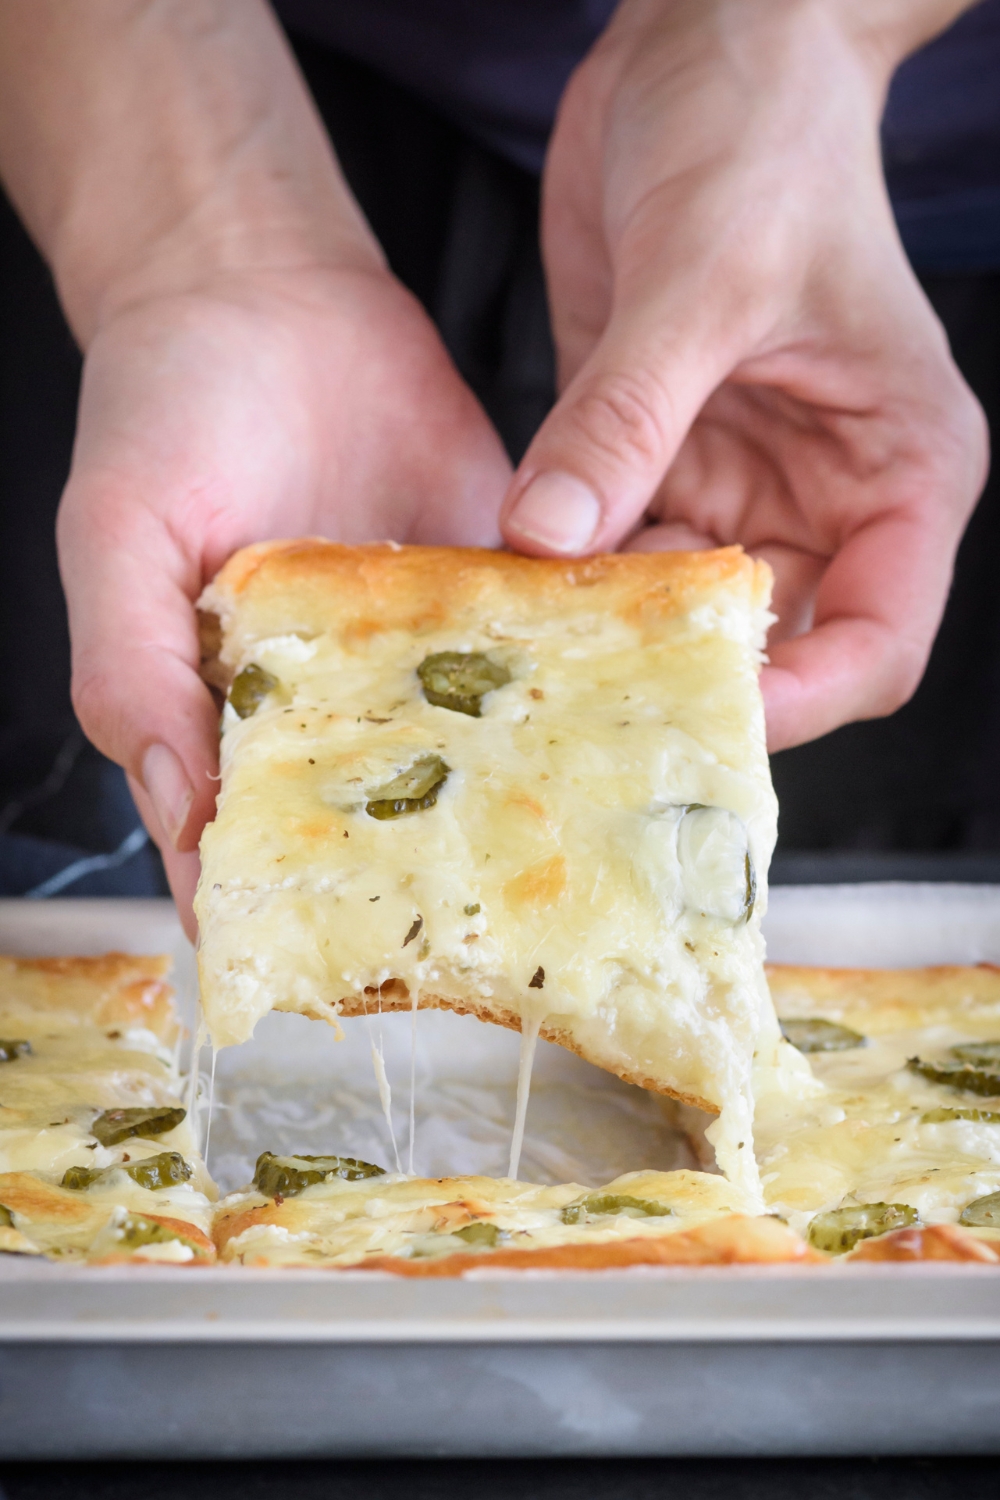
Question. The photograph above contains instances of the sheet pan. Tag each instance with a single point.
(154, 1362)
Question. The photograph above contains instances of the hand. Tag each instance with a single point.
(744, 353)
(260, 405)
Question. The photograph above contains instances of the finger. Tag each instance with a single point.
(877, 609)
(136, 688)
(601, 454)
(182, 870)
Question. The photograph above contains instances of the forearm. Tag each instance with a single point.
(151, 144)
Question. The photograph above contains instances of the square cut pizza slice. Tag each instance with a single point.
(343, 1214)
(98, 1160)
(884, 1116)
(533, 791)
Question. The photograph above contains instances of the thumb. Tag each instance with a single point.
(136, 690)
(599, 457)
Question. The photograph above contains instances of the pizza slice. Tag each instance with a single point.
(878, 1134)
(532, 791)
(98, 1160)
(349, 1215)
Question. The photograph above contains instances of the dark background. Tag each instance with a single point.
(507, 1479)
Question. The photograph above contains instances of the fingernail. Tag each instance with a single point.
(556, 511)
(168, 788)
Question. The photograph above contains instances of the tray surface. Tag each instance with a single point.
(227, 1362)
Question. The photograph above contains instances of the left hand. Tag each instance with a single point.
(744, 353)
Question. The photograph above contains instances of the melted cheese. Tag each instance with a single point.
(49, 1098)
(586, 857)
(841, 1128)
(344, 1223)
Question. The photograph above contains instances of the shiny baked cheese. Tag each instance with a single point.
(858, 1126)
(587, 861)
(79, 1037)
(389, 1222)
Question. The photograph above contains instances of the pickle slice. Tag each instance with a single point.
(6, 1217)
(481, 1236)
(411, 791)
(957, 1075)
(979, 1116)
(284, 1176)
(117, 1125)
(842, 1228)
(250, 688)
(718, 872)
(813, 1034)
(979, 1054)
(599, 1205)
(460, 680)
(982, 1213)
(13, 1048)
(167, 1169)
(134, 1230)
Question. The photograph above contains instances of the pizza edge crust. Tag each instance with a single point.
(382, 586)
(732, 1239)
(109, 989)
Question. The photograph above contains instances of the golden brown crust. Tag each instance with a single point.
(933, 1242)
(730, 1240)
(229, 1223)
(287, 587)
(41, 1202)
(114, 989)
(891, 998)
(733, 1240)
(396, 996)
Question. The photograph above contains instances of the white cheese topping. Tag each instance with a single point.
(587, 856)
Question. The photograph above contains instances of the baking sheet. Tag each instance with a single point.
(146, 1362)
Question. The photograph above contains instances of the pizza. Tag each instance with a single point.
(351, 1215)
(878, 1139)
(530, 790)
(98, 1161)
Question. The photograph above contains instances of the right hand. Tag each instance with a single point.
(258, 405)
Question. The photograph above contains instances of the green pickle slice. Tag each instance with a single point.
(958, 1074)
(117, 1125)
(135, 1230)
(13, 1048)
(980, 1054)
(460, 680)
(599, 1205)
(480, 1236)
(284, 1176)
(167, 1169)
(250, 688)
(411, 791)
(979, 1116)
(6, 1217)
(813, 1034)
(982, 1213)
(750, 875)
(842, 1228)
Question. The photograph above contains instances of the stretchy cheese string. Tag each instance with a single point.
(381, 1078)
(413, 1078)
(530, 1027)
